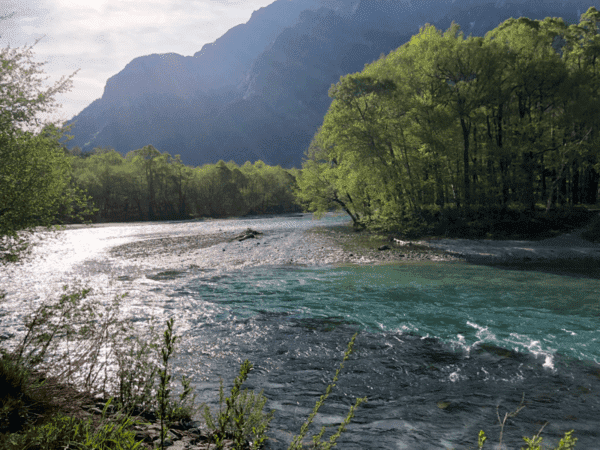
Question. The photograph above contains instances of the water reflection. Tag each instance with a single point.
(441, 346)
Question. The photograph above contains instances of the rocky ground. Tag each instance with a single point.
(568, 254)
(183, 435)
(363, 247)
(239, 248)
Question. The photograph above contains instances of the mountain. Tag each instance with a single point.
(260, 90)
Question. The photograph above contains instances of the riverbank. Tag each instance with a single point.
(568, 253)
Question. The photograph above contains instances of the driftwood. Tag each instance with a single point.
(402, 243)
(248, 234)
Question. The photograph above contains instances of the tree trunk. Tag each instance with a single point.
(466, 131)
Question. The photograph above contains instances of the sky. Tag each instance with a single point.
(99, 37)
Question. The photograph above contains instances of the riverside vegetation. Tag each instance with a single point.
(449, 128)
(77, 339)
(461, 134)
(82, 341)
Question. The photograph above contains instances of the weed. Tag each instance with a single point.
(169, 410)
(61, 431)
(317, 443)
(77, 339)
(242, 419)
(566, 443)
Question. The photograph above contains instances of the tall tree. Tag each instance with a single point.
(34, 173)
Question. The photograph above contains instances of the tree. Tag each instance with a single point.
(35, 172)
(473, 124)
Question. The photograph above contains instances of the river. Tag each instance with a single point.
(443, 347)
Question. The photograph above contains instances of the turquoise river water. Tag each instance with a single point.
(442, 348)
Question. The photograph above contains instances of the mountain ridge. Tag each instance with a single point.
(264, 98)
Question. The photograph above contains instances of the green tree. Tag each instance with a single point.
(35, 172)
(145, 159)
(447, 122)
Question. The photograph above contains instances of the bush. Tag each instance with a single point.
(76, 339)
(61, 432)
(242, 419)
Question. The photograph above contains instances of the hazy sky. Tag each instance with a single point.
(100, 37)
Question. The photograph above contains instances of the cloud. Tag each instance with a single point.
(102, 36)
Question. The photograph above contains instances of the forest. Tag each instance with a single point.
(445, 129)
(450, 126)
(146, 184)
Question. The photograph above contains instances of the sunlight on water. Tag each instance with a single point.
(468, 338)
(467, 305)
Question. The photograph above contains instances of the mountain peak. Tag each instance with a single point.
(260, 90)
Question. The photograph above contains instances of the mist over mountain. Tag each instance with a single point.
(260, 90)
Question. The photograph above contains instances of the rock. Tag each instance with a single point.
(168, 442)
(179, 445)
(187, 424)
(384, 247)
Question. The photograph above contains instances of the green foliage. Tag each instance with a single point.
(21, 395)
(566, 443)
(169, 410)
(317, 442)
(242, 419)
(454, 123)
(35, 181)
(70, 432)
(164, 392)
(147, 185)
(30, 415)
(77, 339)
(82, 340)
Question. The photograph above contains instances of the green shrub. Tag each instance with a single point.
(76, 339)
(566, 443)
(62, 432)
(168, 409)
(242, 419)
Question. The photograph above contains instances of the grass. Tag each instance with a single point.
(534, 443)
(240, 417)
(77, 340)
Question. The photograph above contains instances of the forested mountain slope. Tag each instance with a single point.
(260, 91)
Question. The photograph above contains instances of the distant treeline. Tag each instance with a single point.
(149, 185)
(448, 123)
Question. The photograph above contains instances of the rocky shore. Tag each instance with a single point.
(568, 254)
(232, 247)
(364, 247)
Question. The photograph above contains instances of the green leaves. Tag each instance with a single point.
(147, 183)
(454, 122)
(243, 418)
(317, 438)
(35, 183)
